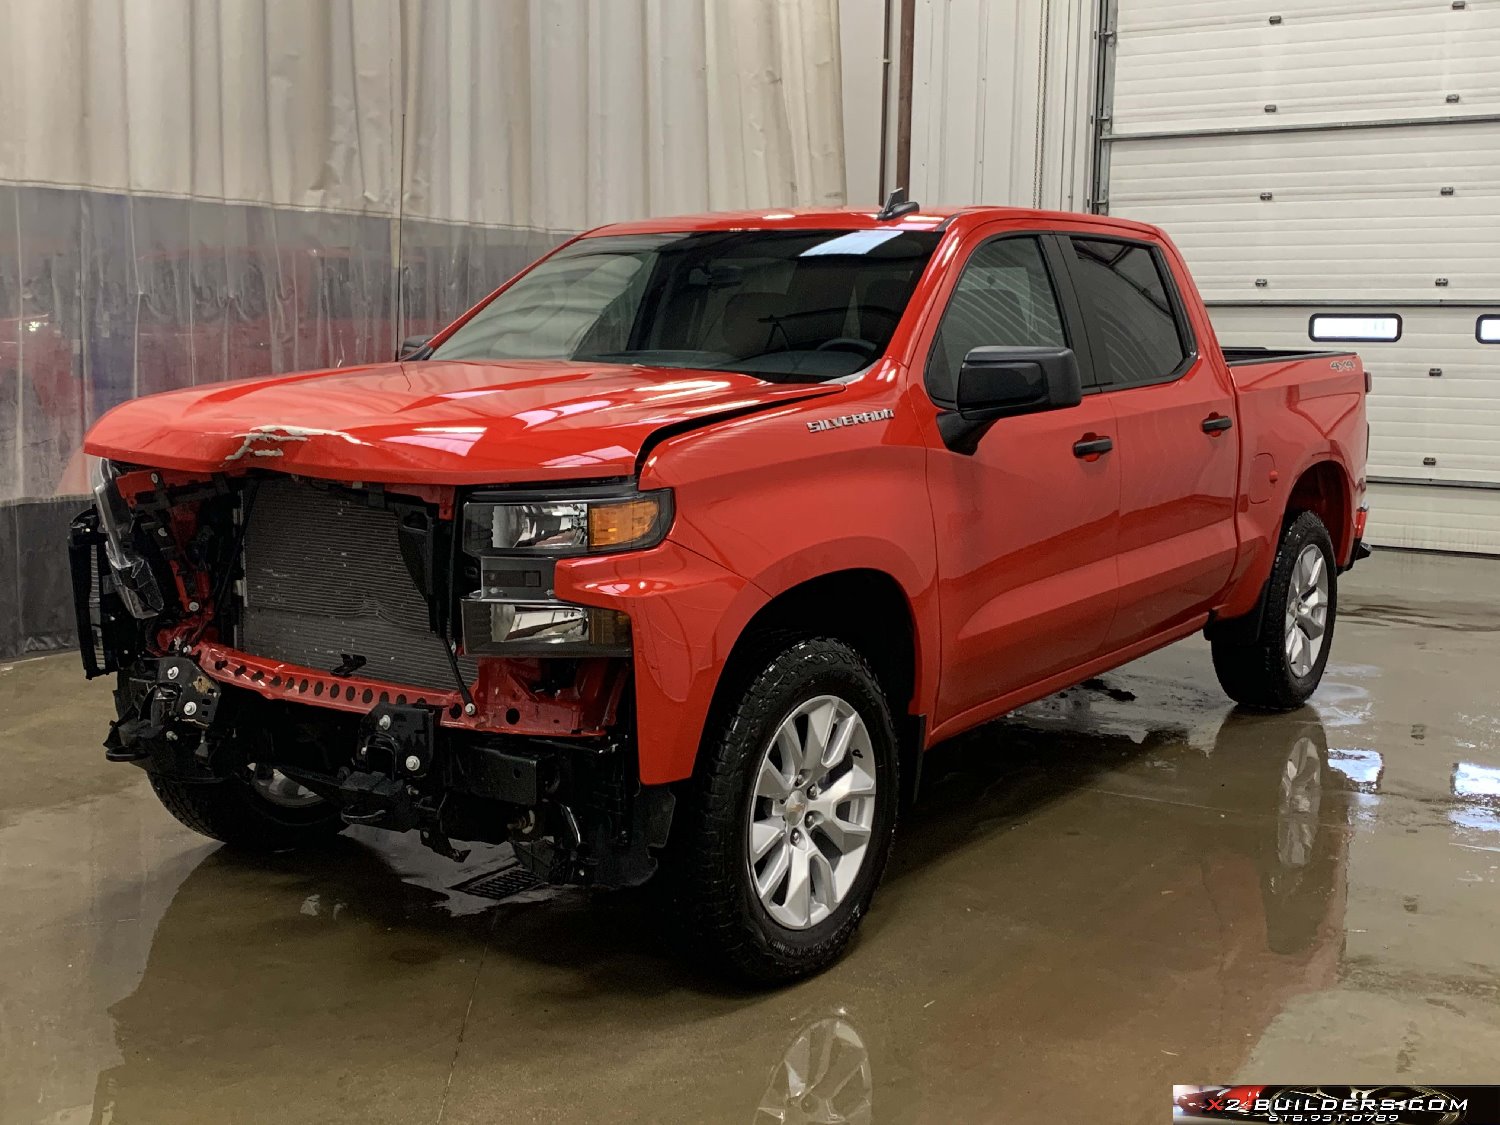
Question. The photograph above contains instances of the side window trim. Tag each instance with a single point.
(1185, 335)
(1069, 311)
(1081, 339)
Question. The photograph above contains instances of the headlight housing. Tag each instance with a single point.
(134, 578)
(514, 540)
(558, 527)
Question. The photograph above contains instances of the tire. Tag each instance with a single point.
(238, 813)
(708, 866)
(1263, 671)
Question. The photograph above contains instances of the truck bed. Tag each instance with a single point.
(1296, 407)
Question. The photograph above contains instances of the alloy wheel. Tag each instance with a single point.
(1307, 611)
(812, 812)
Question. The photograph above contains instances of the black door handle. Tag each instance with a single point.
(1216, 423)
(1092, 447)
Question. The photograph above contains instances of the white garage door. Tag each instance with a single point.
(1325, 157)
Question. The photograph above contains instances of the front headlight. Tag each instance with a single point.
(566, 527)
(514, 543)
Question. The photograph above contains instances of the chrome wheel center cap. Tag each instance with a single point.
(796, 808)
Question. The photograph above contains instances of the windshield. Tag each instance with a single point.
(782, 305)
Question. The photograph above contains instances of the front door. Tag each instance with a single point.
(1025, 525)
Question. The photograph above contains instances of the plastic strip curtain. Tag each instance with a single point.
(213, 190)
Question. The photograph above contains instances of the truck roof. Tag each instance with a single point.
(851, 218)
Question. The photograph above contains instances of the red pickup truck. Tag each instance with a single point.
(679, 549)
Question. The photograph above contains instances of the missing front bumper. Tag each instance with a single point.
(573, 807)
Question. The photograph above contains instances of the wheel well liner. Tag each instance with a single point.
(863, 607)
(1323, 489)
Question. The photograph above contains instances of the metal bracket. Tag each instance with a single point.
(396, 741)
(169, 700)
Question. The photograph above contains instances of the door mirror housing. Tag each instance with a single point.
(999, 382)
(411, 346)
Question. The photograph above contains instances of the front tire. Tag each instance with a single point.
(1280, 667)
(257, 811)
(788, 822)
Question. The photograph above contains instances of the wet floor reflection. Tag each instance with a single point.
(823, 1078)
(1121, 888)
(1080, 891)
(1476, 811)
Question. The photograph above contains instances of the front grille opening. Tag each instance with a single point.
(325, 581)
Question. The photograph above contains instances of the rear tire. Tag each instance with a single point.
(764, 927)
(1279, 667)
(236, 812)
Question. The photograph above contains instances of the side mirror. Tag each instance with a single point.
(1000, 382)
(411, 346)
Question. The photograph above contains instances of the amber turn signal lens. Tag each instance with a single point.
(623, 522)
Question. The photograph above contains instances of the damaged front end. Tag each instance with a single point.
(267, 626)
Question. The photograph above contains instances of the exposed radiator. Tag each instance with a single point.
(324, 578)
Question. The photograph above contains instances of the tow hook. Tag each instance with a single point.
(396, 748)
(168, 700)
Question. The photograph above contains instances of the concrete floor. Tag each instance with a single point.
(1125, 886)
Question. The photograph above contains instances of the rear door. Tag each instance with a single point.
(1025, 526)
(1177, 449)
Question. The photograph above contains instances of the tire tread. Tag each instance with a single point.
(228, 811)
(703, 866)
(1255, 673)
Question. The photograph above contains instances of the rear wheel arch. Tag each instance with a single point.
(1324, 488)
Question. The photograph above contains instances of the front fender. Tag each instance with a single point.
(886, 556)
(764, 503)
(686, 613)
(783, 498)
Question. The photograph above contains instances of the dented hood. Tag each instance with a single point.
(432, 423)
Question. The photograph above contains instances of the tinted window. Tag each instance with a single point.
(1125, 294)
(1003, 298)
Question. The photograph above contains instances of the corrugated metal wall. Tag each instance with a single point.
(1001, 102)
(561, 116)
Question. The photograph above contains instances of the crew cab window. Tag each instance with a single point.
(1124, 291)
(1004, 298)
